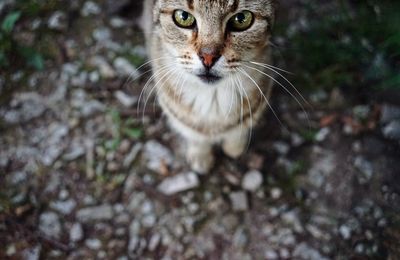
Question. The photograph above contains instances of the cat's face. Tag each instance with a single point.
(210, 39)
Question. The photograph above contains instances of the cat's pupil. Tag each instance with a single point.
(240, 17)
(185, 16)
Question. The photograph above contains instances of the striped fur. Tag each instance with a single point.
(207, 114)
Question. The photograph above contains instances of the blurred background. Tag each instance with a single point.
(88, 172)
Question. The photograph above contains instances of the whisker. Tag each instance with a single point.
(270, 67)
(250, 132)
(265, 98)
(168, 73)
(286, 89)
(144, 89)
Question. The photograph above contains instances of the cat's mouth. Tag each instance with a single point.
(209, 78)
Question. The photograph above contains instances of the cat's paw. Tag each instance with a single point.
(234, 149)
(200, 162)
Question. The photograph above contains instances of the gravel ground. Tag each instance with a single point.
(84, 176)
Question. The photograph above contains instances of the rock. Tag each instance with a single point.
(93, 243)
(132, 155)
(392, 130)
(102, 34)
(304, 251)
(124, 99)
(297, 140)
(389, 113)
(49, 224)
(64, 207)
(179, 183)
(271, 254)
(157, 156)
(154, 242)
(23, 108)
(345, 232)
(149, 220)
(32, 253)
(281, 148)
(240, 238)
(276, 193)
(53, 146)
(76, 232)
(58, 21)
(125, 68)
(365, 168)
(105, 69)
(90, 8)
(74, 152)
(98, 213)
(239, 201)
(324, 165)
(252, 180)
(322, 134)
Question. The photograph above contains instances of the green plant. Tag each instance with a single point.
(355, 43)
(10, 49)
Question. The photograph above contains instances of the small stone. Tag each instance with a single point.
(239, 201)
(179, 183)
(64, 207)
(93, 243)
(24, 108)
(76, 232)
(365, 168)
(32, 253)
(132, 155)
(322, 134)
(149, 221)
(105, 69)
(125, 99)
(102, 34)
(389, 113)
(392, 130)
(252, 180)
(74, 152)
(90, 8)
(281, 148)
(125, 68)
(11, 250)
(240, 238)
(276, 193)
(345, 232)
(303, 251)
(157, 156)
(154, 242)
(297, 140)
(103, 212)
(271, 254)
(49, 224)
(58, 21)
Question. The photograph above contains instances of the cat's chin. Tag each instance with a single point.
(209, 78)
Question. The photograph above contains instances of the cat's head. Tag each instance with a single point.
(210, 39)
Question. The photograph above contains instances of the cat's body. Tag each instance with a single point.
(205, 83)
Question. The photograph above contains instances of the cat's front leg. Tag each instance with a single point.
(235, 142)
(200, 156)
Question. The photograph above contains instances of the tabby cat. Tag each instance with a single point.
(209, 59)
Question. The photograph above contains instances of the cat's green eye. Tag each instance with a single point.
(241, 21)
(184, 19)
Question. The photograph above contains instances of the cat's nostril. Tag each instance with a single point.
(209, 59)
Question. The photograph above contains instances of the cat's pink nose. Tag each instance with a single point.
(209, 58)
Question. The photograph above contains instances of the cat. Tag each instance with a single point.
(209, 59)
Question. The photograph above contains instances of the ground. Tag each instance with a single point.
(84, 175)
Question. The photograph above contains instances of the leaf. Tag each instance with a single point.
(9, 21)
(32, 57)
(134, 133)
